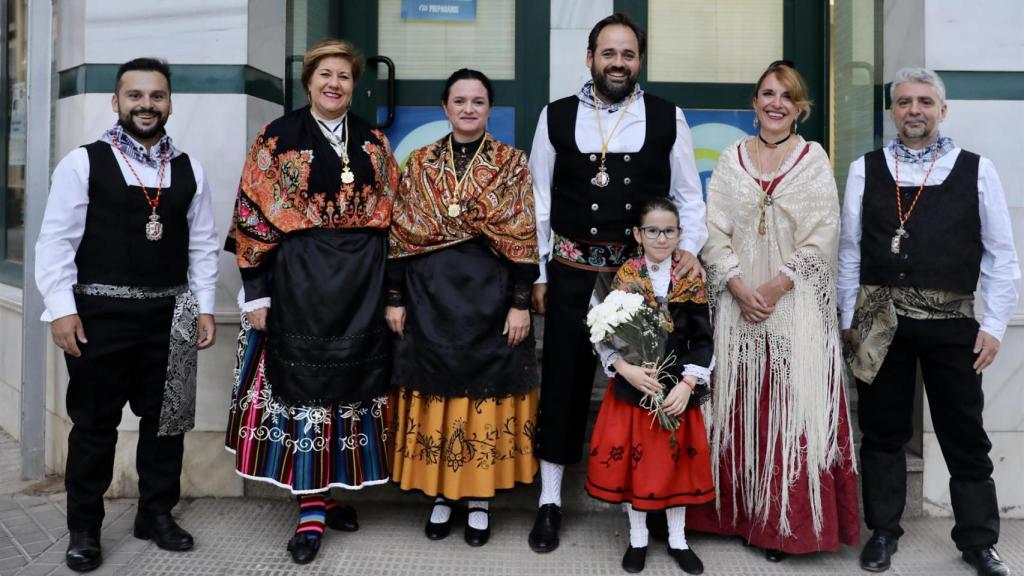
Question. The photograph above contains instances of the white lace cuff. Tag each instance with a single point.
(789, 272)
(608, 356)
(702, 374)
(254, 305)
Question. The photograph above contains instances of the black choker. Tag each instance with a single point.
(773, 144)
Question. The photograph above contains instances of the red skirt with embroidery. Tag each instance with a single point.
(632, 459)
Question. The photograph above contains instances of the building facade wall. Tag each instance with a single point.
(217, 127)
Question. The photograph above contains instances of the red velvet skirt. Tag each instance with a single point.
(840, 517)
(633, 460)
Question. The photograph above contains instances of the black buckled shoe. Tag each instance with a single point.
(687, 560)
(774, 555)
(304, 546)
(439, 530)
(474, 536)
(84, 552)
(877, 553)
(634, 559)
(544, 535)
(986, 561)
(162, 529)
(342, 518)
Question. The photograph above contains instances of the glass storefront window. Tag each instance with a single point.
(432, 49)
(14, 76)
(856, 80)
(729, 41)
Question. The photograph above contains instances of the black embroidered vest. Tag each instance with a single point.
(585, 212)
(943, 248)
(114, 249)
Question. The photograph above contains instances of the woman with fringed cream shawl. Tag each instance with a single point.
(778, 421)
(462, 262)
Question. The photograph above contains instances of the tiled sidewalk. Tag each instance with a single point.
(247, 537)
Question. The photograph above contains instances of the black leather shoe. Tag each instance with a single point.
(475, 536)
(163, 530)
(439, 530)
(544, 536)
(634, 559)
(687, 560)
(342, 518)
(774, 555)
(84, 552)
(986, 561)
(304, 546)
(877, 553)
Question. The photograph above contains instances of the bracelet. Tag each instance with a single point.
(692, 387)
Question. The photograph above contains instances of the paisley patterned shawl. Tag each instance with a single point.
(496, 201)
(633, 277)
(291, 182)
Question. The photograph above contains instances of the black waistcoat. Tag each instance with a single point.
(943, 249)
(582, 211)
(114, 249)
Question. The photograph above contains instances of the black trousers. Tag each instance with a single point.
(125, 361)
(944, 349)
(567, 373)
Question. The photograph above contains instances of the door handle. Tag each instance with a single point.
(375, 60)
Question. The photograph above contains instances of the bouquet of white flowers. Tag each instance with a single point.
(626, 322)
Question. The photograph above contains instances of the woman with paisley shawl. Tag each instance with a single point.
(309, 408)
(779, 424)
(462, 261)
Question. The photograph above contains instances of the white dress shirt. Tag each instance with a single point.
(64, 224)
(999, 269)
(684, 186)
(660, 274)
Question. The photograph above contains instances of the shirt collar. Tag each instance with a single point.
(935, 150)
(586, 96)
(163, 150)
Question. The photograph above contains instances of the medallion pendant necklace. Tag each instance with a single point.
(154, 228)
(769, 188)
(901, 231)
(454, 208)
(347, 177)
(602, 179)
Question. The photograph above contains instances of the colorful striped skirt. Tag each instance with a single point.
(305, 449)
(462, 447)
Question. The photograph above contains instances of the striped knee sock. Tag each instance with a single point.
(312, 513)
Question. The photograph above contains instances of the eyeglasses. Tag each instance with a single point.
(652, 232)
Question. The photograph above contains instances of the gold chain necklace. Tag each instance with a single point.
(602, 179)
(454, 208)
(766, 191)
(347, 177)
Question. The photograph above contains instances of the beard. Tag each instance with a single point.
(127, 122)
(610, 90)
(917, 132)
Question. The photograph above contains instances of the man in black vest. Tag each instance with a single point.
(923, 221)
(597, 155)
(126, 262)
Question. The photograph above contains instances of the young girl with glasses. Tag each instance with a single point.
(634, 460)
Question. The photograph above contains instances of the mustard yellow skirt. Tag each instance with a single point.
(464, 447)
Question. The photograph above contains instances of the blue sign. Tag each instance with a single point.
(713, 131)
(439, 10)
(417, 126)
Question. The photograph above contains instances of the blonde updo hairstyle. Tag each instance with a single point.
(328, 48)
(793, 82)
